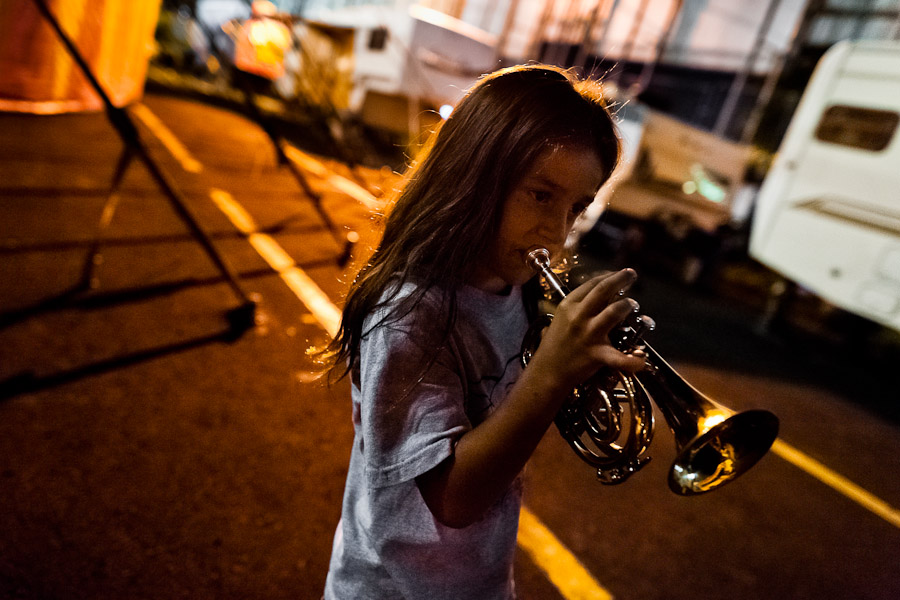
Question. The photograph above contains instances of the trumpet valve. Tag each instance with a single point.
(630, 335)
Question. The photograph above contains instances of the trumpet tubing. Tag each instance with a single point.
(608, 420)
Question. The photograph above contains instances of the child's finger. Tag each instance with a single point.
(611, 316)
(578, 294)
(604, 281)
(607, 291)
(622, 361)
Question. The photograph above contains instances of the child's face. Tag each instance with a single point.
(540, 211)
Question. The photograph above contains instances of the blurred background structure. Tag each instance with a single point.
(705, 91)
(757, 198)
(39, 76)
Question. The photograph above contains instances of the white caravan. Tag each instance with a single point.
(828, 214)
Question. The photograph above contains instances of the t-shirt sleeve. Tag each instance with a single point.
(411, 400)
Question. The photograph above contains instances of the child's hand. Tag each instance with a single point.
(576, 344)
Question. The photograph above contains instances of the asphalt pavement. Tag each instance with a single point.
(152, 447)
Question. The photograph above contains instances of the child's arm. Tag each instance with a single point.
(488, 458)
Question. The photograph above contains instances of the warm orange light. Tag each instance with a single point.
(39, 75)
(711, 420)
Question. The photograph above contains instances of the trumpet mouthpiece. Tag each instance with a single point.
(538, 258)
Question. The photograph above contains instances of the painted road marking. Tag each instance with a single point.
(168, 139)
(342, 184)
(837, 482)
(544, 549)
(546, 552)
(316, 301)
(563, 570)
(304, 160)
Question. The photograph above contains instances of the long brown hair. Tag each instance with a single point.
(450, 206)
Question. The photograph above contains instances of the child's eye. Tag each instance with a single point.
(541, 196)
(578, 209)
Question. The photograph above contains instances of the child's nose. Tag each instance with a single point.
(555, 228)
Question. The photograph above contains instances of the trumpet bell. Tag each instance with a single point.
(715, 444)
(723, 452)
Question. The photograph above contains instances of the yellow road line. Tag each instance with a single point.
(572, 580)
(304, 160)
(339, 183)
(837, 482)
(168, 139)
(296, 279)
(549, 554)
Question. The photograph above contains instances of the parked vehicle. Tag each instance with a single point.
(408, 62)
(828, 214)
(680, 196)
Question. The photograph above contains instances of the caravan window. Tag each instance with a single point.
(864, 128)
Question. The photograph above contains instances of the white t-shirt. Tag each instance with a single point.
(412, 399)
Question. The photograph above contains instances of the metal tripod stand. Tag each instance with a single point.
(240, 318)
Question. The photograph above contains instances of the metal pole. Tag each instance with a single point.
(558, 55)
(606, 24)
(587, 38)
(799, 36)
(895, 30)
(508, 23)
(280, 144)
(661, 45)
(629, 43)
(726, 113)
(534, 49)
(241, 318)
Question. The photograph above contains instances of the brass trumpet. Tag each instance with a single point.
(714, 444)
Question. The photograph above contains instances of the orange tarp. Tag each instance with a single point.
(38, 75)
